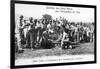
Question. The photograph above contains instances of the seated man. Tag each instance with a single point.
(46, 40)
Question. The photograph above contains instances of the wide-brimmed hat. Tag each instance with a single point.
(21, 16)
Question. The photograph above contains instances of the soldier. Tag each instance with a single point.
(19, 33)
(28, 32)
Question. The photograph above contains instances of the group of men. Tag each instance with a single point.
(34, 33)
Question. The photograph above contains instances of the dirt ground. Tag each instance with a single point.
(85, 48)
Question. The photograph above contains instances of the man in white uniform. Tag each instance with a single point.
(18, 31)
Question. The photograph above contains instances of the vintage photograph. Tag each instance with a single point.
(46, 34)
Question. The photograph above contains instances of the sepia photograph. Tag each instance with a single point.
(49, 34)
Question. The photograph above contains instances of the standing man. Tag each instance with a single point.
(19, 32)
(30, 24)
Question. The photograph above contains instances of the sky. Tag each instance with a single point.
(76, 14)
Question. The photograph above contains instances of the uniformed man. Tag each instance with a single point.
(19, 32)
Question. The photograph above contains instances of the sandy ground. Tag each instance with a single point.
(84, 52)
